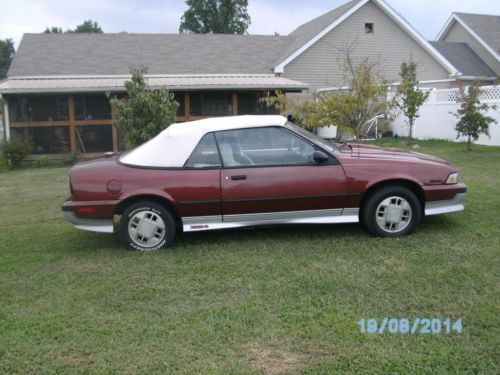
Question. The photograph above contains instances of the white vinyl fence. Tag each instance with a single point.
(436, 121)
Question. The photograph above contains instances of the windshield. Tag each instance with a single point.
(313, 137)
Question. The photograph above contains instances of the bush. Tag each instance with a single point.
(16, 150)
(42, 161)
(70, 158)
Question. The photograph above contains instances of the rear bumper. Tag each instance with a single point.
(101, 216)
(100, 226)
(454, 204)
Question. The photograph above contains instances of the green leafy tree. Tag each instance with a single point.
(410, 98)
(144, 112)
(53, 30)
(88, 26)
(7, 52)
(215, 16)
(364, 96)
(471, 121)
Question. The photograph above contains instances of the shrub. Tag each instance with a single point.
(16, 150)
(42, 161)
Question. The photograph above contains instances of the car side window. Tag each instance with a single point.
(263, 147)
(205, 154)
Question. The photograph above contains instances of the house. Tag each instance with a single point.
(58, 86)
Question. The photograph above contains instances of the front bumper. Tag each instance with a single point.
(100, 226)
(454, 204)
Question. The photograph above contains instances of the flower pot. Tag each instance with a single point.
(328, 132)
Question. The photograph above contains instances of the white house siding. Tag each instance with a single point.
(321, 64)
(457, 33)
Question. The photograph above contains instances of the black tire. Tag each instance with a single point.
(378, 224)
(148, 218)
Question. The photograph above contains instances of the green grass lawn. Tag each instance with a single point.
(272, 301)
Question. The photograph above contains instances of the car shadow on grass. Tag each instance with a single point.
(244, 237)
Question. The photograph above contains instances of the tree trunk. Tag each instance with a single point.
(469, 148)
(411, 129)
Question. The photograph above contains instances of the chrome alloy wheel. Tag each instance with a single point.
(393, 214)
(146, 229)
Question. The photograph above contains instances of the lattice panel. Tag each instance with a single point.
(491, 93)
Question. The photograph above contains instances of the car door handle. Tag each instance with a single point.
(239, 177)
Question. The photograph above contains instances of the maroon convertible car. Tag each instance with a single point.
(243, 171)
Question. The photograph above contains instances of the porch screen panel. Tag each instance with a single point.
(45, 139)
(94, 138)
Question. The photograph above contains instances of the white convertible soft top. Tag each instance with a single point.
(173, 146)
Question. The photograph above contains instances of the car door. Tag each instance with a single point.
(269, 174)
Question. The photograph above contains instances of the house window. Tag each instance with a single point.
(369, 28)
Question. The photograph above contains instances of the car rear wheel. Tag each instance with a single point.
(392, 211)
(147, 226)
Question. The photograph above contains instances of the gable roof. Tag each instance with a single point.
(186, 54)
(113, 54)
(464, 59)
(337, 16)
(484, 28)
(304, 33)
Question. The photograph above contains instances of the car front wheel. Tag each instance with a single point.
(392, 211)
(147, 226)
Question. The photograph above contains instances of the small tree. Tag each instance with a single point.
(6, 55)
(410, 97)
(363, 96)
(145, 112)
(472, 123)
(350, 108)
(215, 16)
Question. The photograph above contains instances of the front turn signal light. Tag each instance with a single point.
(452, 178)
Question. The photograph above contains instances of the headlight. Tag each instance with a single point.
(452, 178)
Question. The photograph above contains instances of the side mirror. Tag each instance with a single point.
(320, 157)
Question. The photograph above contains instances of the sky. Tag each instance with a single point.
(163, 16)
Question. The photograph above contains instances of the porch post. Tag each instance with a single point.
(114, 131)
(71, 123)
(235, 104)
(6, 118)
(187, 106)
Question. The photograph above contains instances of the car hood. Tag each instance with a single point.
(375, 152)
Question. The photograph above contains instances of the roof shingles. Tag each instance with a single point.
(112, 54)
(487, 27)
(464, 59)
